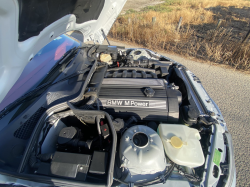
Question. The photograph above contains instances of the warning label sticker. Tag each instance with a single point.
(217, 156)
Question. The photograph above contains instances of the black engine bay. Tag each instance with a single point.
(79, 138)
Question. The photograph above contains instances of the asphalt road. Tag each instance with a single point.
(231, 91)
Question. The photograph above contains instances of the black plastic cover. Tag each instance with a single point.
(99, 162)
(190, 113)
(68, 165)
(66, 134)
(164, 71)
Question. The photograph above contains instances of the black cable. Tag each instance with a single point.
(89, 104)
(160, 179)
(121, 181)
(45, 157)
(99, 129)
(91, 51)
(33, 161)
(97, 104)
(189, 177)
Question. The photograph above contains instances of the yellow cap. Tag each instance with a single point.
(176, 142)
(105, 57)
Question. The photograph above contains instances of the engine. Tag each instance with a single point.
(144, 98)
(127, 127)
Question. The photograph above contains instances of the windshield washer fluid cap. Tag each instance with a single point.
(142, 154)
(182, 145)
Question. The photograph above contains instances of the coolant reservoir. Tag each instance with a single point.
(142, 154)
(181, 144)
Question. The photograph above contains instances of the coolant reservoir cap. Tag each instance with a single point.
(176, 142)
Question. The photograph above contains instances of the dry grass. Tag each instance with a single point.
(192, 39)
(213, 3)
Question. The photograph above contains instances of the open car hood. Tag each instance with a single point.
(28, 25)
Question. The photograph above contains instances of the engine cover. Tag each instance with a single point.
(126, 97)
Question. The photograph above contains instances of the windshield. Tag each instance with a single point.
(37, 69)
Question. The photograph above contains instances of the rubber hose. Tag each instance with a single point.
(45, 157)
(91, 51)
(130, 120)
(79, 143)
(159, 180)
(99, 129)
(85, 144)
(97, 104)
(89, 103)
(98, 124)
(33, 162)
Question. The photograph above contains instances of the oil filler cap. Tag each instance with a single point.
(149, 92)
(176, 142)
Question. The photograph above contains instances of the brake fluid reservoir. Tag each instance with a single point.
(181, 144)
